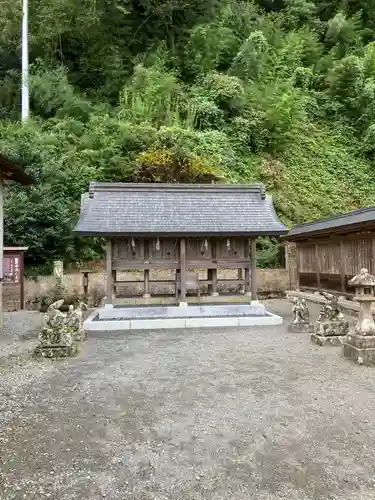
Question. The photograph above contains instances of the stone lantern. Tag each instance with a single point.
(360, 343)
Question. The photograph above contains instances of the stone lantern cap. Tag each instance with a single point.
(363, 280)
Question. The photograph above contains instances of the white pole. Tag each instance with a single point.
(25, 62)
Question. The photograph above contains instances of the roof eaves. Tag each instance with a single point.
(13, 172)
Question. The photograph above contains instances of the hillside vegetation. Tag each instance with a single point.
(278, 91)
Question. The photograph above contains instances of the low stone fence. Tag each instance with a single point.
(271, 283)
(350, 307)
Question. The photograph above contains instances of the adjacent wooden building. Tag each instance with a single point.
(329, 252)
(179, 227)
(13, 278)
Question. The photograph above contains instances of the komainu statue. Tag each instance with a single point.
(301, 316)
(60, 330)
(330, 311)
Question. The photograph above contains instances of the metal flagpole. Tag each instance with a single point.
(25, 62)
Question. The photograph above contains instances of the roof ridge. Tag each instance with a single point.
(125, 186)
(334, 217)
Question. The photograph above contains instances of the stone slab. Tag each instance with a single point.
(91, 324)
(333, 341)
(210, 322)
(268, 320)
(156, 324)
(300, 328)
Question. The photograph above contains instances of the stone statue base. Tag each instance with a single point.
(360, 349)
(300, 327)
(337, 340)
(332, 333)
(55, 351)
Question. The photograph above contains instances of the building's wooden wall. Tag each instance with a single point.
(329, 263)
(164, 253)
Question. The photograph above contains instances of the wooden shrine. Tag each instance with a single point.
(179, 227)
(330, 251)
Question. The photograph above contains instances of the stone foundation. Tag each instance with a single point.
(360, 349)
(331, 333)
(332, 328)
(335, 340)
(56, 351)
(300, 328)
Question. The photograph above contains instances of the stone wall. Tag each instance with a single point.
(11, 297)
(271, 282)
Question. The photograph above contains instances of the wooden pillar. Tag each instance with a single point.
(253, 258)
(214, 292)
(146, 272)
(109, 301)
(114, 287)
(342, 264)
(22, 281)
(298, 265)
(146, 282)
(247, 268)
(183, 271)
(317, 265)
(209, 277)
(85, 284)
(240, 278)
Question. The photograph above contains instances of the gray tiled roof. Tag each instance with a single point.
(351, 221)
(144, 209)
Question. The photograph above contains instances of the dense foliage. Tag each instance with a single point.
(278, 91)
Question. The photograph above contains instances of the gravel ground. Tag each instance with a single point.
(189, 414)
(19, 332)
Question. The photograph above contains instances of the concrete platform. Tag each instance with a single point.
(170, 317)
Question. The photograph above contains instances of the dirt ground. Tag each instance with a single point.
(237, 414)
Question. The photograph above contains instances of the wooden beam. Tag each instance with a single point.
(109, 300)
(183, 270)
(121, 265)
(173, 281)
(253, 257)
